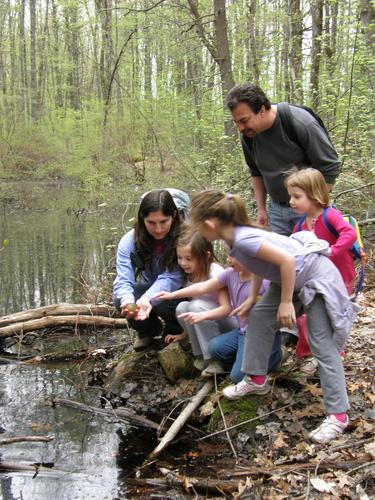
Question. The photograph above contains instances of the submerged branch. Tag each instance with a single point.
(117, 414)
(21, 439)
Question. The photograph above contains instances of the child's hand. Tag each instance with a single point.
(176, 338)
(286, 314)
(163, 296)
(193, 318)
(244, 309)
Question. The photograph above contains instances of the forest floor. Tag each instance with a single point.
(269, 457)
(272, 459)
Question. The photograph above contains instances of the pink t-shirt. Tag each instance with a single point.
(341, 246)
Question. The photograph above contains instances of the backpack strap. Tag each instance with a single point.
(287, 121)
(300, 223)
(328, 224)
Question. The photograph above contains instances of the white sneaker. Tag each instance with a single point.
(199, 363)
(329, 429)
(214, 367)
(245, 388)
(309, 366)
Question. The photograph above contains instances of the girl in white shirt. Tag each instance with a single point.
(195, 257)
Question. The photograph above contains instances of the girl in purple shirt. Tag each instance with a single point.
(301, 277)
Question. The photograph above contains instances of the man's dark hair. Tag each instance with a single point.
(248, 93)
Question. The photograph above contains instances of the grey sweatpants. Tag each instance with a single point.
(201, 333)
(261, 335)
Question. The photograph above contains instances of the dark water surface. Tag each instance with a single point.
(61, 249)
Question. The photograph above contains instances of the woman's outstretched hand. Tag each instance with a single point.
(286, 314)
(144, 308)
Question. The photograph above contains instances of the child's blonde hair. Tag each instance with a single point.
(228, 208)
(312, 182)
(201, 250)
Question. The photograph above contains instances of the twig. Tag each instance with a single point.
(182, 418)
(246, 421)
(369, 464)
(21, 439)
(352, 189)
(225, 423)
(119, 414)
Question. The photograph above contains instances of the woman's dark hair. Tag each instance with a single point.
(155, 201)
(248, 93)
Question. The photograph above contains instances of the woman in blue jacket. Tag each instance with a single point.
(146, 264)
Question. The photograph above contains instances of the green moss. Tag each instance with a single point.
(236, 412)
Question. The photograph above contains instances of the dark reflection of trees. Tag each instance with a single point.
(50, 255)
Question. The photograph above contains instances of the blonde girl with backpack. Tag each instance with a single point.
(309, 197)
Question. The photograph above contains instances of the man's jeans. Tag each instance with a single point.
(228, 348)
(282, 218)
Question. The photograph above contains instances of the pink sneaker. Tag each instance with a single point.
(245, 388)
(329, 429)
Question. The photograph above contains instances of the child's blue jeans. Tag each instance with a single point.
(228, 348)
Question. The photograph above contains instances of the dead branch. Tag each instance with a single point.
(92, 352)
(359, 188)
(58, 310)
(289, 468)
(49, 321)
(182, 418)
(21, 439)
(189, 484)
(117, 414)
(34, 467)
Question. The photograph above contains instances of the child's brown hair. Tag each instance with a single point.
(312, 182)
(201, 250)
(228, 208)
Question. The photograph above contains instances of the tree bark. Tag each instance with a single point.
(316, 9)
(295, 58)
(33, 73)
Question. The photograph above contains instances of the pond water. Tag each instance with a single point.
(61, 249)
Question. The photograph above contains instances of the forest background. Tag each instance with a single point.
(113, 93)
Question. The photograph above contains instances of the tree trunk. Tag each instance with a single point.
(223, 58)
(316, 8)
(254, 36)
(33, 74)
(295, 58)
(56, 72)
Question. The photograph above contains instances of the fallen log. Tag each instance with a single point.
(182, 419)
(118, 414)
(190, 484)
(49, 321)
(90, 352)
(21, 439)
(58, 310)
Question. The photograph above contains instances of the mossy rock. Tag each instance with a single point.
(236, 412)
(126, 366)
(176, 363)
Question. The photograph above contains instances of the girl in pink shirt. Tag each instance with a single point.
(309, 196)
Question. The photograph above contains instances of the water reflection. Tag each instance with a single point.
(61, 249)
(57, 254)
(84, 447)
